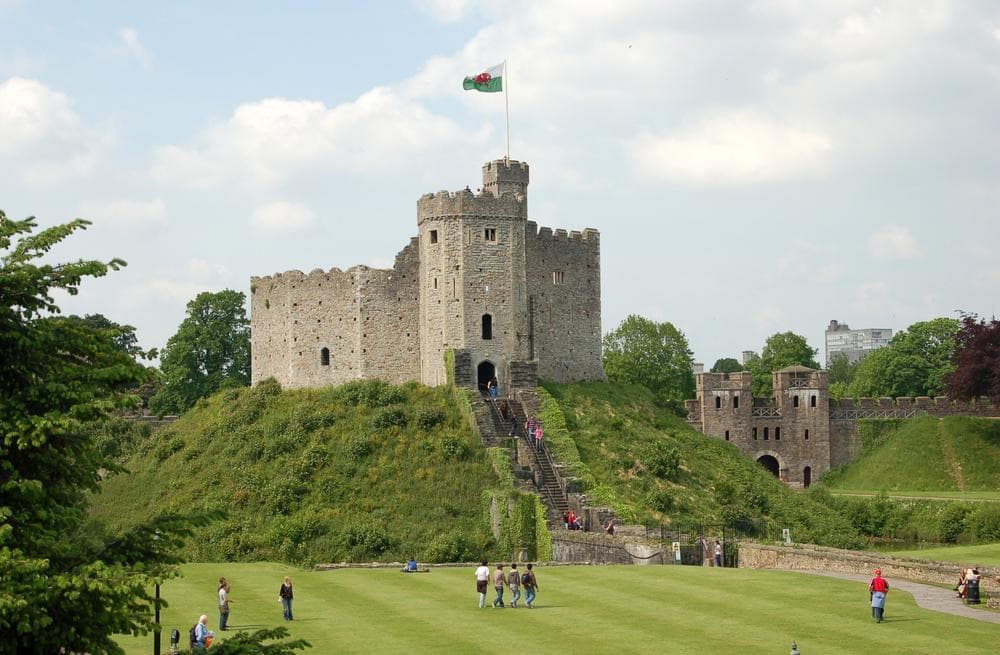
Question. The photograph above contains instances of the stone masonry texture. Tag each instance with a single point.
(510, 299)
(800, 429)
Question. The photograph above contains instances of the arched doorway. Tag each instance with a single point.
(807, 474)
(485, 372)
(770, 462)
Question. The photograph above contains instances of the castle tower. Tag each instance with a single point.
(472, 277)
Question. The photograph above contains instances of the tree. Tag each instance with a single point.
(655, 355)
(915, 363)
(210, 350)
(976, 360)
(60, 592)
(841, 369)
(780, 351)
(726, 365)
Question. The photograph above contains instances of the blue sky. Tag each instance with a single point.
(752, 168)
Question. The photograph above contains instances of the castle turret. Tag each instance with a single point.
(505, 176)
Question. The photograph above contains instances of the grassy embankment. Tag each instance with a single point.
(929, 476)
(610, 609)
(360, 472)
(622, 444)
(984, 555)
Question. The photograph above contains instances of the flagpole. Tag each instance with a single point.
(506, 99)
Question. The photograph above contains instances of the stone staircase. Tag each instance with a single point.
(494, 431)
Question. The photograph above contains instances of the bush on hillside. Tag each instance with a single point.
(662, 460)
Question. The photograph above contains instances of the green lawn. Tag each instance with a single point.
(991, 496)
(985, 555)
(613, 609)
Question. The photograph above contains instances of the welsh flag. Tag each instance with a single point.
(489, 81)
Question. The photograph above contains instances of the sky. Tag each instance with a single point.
(752, 167)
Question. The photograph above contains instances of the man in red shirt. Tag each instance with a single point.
(878, 587)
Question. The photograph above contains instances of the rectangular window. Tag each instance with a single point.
(777, 434)
(558, 277)
(718, 402)
(736, 402)
(765, 434)
(755, 434)
(434, 236)
(727, 435)
(795, 401)
(807, 435)
(490, 234)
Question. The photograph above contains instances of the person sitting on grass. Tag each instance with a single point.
(411, 566)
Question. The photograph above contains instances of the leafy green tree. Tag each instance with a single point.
(915, 363)
(841, 369)
(210, 350)
(976, 360)
(123, 336)
(655, 355)
(61, 592)
(726, 365)
(780, 351)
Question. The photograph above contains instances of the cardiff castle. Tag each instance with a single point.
(480, 286)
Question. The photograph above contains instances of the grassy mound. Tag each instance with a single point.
(650, 466)
(359, 472)
(953, 454)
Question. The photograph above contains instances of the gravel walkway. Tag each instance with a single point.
(927, 596)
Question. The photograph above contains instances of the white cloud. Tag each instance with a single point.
(130, 39)
(733, 147)
(177, 287)
(893, 242)
(769, 317)
(445, 11)
(281, 216)
(41, 138)
(268, 141)
(871, 297)
(126, 213)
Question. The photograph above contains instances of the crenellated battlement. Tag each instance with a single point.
(937, 406)
(547, 233)
(467, 204)
(464, 283)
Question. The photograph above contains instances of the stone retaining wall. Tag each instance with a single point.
(817, 558)
(599, 548)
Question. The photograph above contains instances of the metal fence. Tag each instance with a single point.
(697, 542)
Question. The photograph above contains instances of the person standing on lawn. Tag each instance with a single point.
(878, 587)
(514, 582)
(499, 580)
(530, 583)
(285, 594)
(223, 603)
(482, 582)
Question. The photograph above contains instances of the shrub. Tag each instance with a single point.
(366, 540)
(370, 393)
(660, 500)
(358, 447)
(428, 419)
(984, 522)
(452, 447)
(168, 448)
(952, 522)
(662, 460)
(451, 546)
(390, 417)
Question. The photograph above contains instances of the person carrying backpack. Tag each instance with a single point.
(530, 584)
(199, 635)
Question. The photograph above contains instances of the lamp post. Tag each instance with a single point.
(156, 608)
(156, 618)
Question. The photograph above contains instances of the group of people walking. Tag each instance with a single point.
(201, 637)
(502, 580)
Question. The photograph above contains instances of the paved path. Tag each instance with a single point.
(927, 596)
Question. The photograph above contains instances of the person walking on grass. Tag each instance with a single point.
(878, 587)
(482, 582)
(718, 553)
(499, 580)
(285, 595)
(223, 603)
(514, 582)
(530, 584)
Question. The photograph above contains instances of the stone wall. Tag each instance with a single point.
(817, 558)
(599, 548)
(805, 431)
(564, 291)
(462, 284)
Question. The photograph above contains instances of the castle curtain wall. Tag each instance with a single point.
(564, 290)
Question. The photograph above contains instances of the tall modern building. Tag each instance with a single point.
(840, 338)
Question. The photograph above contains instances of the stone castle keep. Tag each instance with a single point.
(800, 433)
(507, 298)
